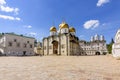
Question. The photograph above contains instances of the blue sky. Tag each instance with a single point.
(35, 17)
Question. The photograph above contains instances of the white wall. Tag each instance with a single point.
(14, 49)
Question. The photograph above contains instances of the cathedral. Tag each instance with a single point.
(116, 45)
(61, 42)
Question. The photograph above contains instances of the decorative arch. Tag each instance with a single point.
(97, 53)
(55, 47)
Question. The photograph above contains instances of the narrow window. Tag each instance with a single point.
(15, 40)
(25, 45)
(28, 41)
(31, 46)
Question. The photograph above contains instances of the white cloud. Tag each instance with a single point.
(32, 34)
(17, 18)
(9, 17)
(91, 24)
(9, 9)
(29, 26)
(101, 2)
(5, 8)
(16, 10)
(2, 2)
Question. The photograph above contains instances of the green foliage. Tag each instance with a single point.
(109, 46)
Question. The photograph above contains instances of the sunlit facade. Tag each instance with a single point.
(16, 45)
(97, 46)
(116, 45)
(62, 41)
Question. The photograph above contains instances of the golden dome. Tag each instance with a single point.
(53, 29)
(63, 25)
(72, 29)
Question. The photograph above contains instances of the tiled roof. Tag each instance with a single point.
(17, 35)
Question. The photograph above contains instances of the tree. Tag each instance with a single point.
(109, 46)
(112, 41)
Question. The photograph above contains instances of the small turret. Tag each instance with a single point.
(72, 30)
(101, 38)
(96, 37)
(53, 31)
(92, 38)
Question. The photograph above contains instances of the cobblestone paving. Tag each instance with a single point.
(60, 68)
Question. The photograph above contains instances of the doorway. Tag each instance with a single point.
(97, 53)
(24, 53)
(55, 47)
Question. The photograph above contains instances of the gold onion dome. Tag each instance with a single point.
(71, 29)
(53, 29)
(63, 25)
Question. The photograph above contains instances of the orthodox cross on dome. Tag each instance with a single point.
(63, 20)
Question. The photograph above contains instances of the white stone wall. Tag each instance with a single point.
(91, 48)
(63, 45)
(116, 45)
(64, 30)
(45, 42)
(14, 50)
(50, 46)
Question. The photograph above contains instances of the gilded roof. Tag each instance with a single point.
(72, 29)
(63, 25)
(53, 29)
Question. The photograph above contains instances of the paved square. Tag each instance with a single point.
(60, 68)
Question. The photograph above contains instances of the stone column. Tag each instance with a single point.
(59, 45)
(67, 44)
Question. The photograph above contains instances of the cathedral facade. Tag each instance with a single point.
(62, 41)
(116, 45)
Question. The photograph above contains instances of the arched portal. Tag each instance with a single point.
(55, 47)
(97, 53)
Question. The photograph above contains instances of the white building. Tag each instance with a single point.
(97, 46)
(16, 45)
(116, 45)
(38, 48)
(61, 42)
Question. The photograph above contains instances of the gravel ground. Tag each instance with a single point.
(60, 68)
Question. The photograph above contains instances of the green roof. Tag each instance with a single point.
(18, 35)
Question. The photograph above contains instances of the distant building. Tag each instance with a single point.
(38, 49)
(116, 45)
(61, 42)
(16, 45)
(97, 46)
